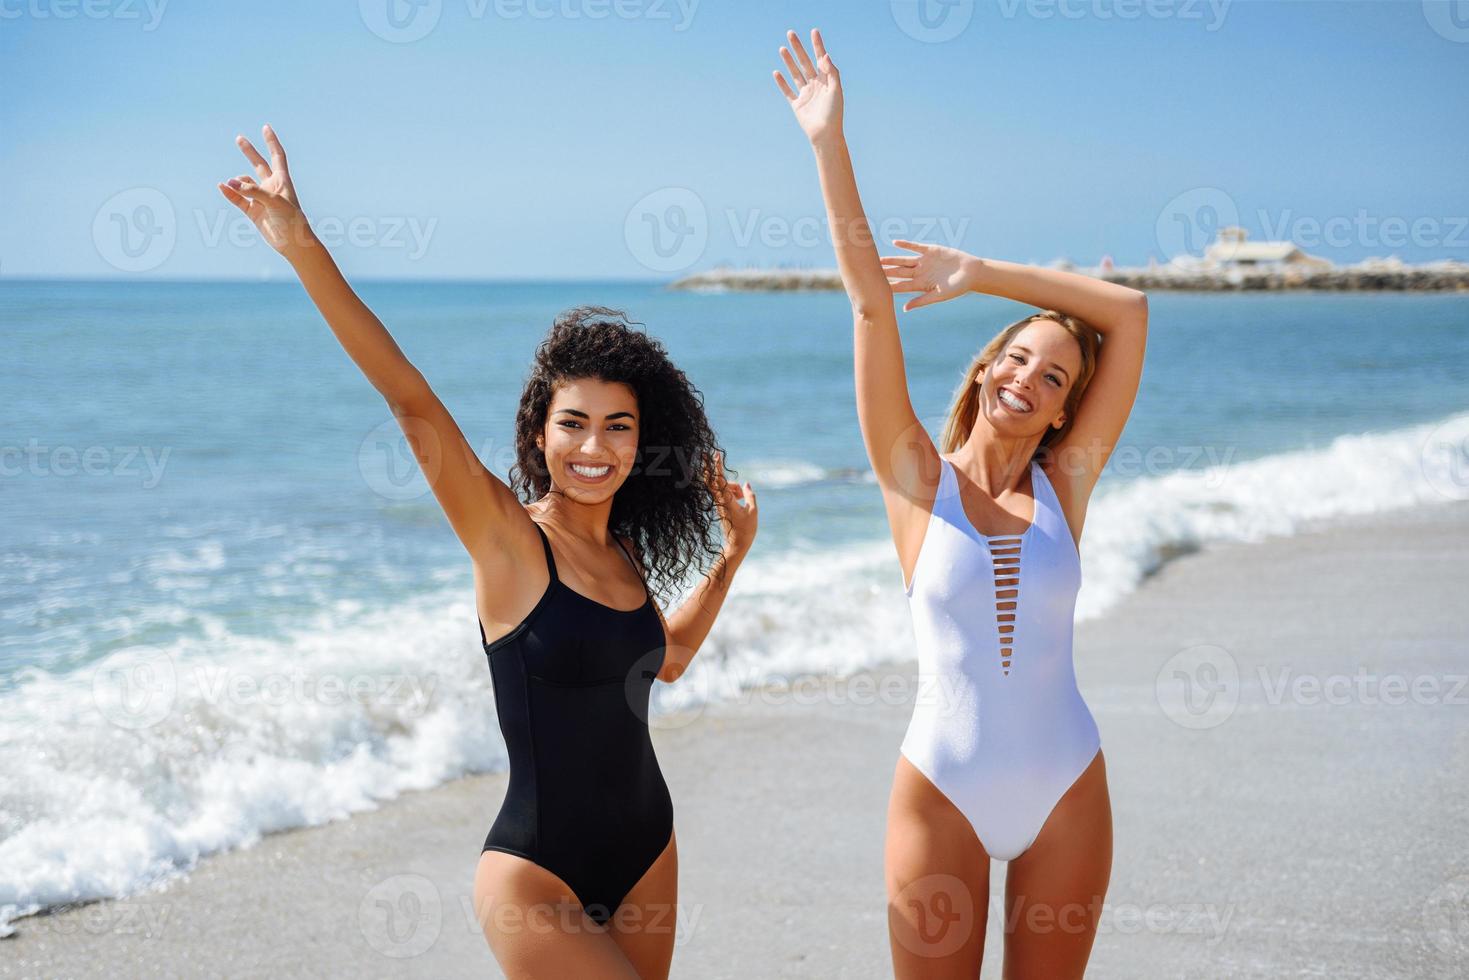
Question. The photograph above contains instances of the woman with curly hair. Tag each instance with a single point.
(1007, 765)
(618, 485)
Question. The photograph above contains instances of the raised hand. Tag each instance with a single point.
(937, 272)
(817, 98)
(737, 508)
(268, 199)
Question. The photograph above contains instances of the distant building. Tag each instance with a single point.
(1231, 250)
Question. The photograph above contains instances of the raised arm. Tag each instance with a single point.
(689, 625)
(478, 504)
(902, 455)
(1120, 314)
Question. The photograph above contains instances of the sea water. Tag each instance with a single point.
(230, 605)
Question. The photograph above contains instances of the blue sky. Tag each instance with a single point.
(645, 138)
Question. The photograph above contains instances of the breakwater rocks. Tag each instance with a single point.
(1376, 275)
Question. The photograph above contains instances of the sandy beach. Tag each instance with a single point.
(1307, 820)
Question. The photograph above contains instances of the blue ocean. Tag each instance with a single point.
(229, 604)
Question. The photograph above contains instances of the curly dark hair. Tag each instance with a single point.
(666, 506)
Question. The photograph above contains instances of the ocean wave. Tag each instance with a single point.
(171, 753)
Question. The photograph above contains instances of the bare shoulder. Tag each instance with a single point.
(510, 574)
(514, 541)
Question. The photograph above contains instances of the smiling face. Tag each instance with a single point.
(1025, 390)
(590, 438)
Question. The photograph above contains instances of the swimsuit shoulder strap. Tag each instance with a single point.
(1043, 498)
(636, 567)
(550, 569)
(948, 488)
(550, 558)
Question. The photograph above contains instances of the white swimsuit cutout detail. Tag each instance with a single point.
(999, 726)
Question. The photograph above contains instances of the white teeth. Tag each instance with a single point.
(1013, 401)
(589, 471)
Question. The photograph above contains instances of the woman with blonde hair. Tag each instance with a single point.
(1008, 766)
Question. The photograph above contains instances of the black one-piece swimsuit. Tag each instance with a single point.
(586, 799)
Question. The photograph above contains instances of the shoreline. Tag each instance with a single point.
(1297, 834)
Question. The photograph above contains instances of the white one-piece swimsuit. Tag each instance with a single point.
(999, 726)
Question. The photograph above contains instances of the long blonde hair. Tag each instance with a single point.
(965, 408)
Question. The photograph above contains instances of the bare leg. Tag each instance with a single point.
(643, 926)
(938, 882)
(536, 927)
(1054, 891)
